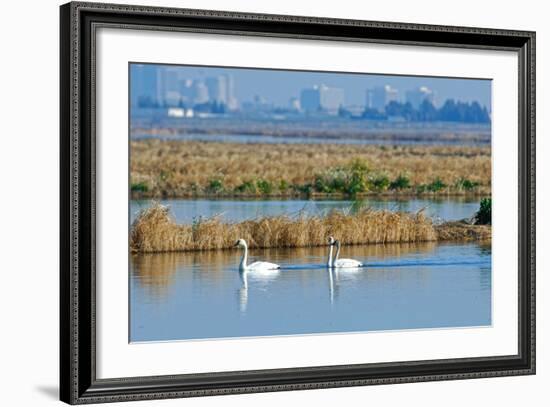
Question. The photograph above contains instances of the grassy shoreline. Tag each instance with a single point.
(139, 195)
(154, 230)
(185, 169)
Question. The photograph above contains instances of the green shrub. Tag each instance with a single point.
(283, 185)
(357, 183)
(304, 189)
(264, 186)
(322, 184)
(246, 187)
(380, 182)
(401, 182)
(483, 215)
(436, 185)
(139, 187)
(466, 184)
(215, 185)
(349, 179)
(332, 180)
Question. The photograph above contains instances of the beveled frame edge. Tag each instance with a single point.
(78, 384)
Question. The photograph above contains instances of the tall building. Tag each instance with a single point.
(217, 89)
(168, 87)
(310, 99)
(200, 92)
(143, 85)
(221, 89)
(379, 97)
(232, 102)
(186, 91)
(416, 96)
(321, 98)
(331, 98)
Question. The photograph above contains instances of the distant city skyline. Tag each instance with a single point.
(235, 86)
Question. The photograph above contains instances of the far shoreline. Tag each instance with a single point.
(139, 195)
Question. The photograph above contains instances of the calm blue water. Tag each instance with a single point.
(184, 210)
(202, 295)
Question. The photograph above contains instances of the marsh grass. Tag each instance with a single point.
(192, 168)
(462, 231)
(154, 230)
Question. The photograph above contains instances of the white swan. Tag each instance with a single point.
(340, 263)
(256, 266)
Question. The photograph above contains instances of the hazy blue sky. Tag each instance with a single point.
(279, 86)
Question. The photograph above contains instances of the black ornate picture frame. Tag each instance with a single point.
(78, 380)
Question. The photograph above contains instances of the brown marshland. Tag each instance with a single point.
(192, 168)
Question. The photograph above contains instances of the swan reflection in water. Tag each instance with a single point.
(157, 274)
(265, 271)
(201, 294)
(247, 278)
(331, 285)
(255, 276)
(243, 291)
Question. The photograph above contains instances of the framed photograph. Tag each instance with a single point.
(254, 203)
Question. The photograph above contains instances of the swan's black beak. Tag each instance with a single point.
(236, 244)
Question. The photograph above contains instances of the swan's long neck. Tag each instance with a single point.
(244, 259)
(337, 252)
(329, 260)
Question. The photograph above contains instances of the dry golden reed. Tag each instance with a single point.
(154, 230)
(163, 168)
(463, 231)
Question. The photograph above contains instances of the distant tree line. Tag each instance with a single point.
(210, 107)
(451, 111)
